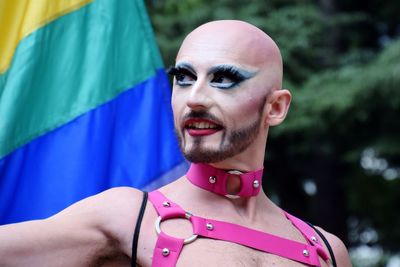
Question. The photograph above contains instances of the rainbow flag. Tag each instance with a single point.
(84, 104)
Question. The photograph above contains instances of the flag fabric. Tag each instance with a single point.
(84, 104)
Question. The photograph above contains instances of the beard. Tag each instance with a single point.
(232, 143)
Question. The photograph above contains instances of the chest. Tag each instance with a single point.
(206, 251)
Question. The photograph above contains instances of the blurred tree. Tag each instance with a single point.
(342, 66)
(334, 119)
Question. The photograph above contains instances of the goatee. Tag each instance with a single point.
(232, 143)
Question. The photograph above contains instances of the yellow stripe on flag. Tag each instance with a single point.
(20, 18)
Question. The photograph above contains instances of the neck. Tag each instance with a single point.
(245, 207)
(229, 183)
(252, 158)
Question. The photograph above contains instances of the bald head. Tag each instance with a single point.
(238, 42)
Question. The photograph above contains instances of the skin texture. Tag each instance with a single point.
(220, 119)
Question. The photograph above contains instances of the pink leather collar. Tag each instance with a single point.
(214, 180)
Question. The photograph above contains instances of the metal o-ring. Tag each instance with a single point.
(186, 240)
(232, 196)
(234, 172)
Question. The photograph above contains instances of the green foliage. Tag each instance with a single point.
(296, 29)
(351, 90)
(350, 109)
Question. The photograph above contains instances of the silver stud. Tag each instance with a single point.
(313, 238)
(165, 252)
(306, 253)
(212, 179)
(256, 183)
(166, 204)
(209, 226)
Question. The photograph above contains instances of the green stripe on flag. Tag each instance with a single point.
(72, 65)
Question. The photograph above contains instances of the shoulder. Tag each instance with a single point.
(117, 199)
(339, 249)
(106, 203)
(116, 208)
(113, 213)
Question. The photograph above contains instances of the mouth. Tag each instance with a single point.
(201, 127)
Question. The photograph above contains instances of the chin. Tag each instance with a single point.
(207, 155)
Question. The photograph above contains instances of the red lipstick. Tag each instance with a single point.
(201, 127)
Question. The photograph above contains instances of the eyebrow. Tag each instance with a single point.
(219, 68)
(187, 66)
(223, 67)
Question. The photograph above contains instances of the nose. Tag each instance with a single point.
(199, 98)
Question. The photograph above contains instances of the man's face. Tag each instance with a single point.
(218, 97)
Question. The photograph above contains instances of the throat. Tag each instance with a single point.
(229, 183)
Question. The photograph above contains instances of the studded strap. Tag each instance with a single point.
(168, 248)
(215, 180)
(164, 207)
(309, 233)
(304, 253)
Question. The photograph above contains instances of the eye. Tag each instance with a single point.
(183, 76)
(221, 78)
(226, 78)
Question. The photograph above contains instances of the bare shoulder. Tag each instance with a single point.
(105, 204)
(339, 249)
(118, 199)
(113, 212)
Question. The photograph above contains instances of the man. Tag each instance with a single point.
(227, 93)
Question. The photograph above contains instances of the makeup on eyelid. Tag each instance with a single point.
(184, 76)
(232, 73)
(224, 76)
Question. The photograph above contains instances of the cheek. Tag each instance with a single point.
(252, 105)
(179, 107)
(249, 106)
(177, 98)
(175, 104)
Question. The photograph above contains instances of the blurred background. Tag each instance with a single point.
(70, 71)
(336, 160)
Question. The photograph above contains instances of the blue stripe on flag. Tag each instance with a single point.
(128, 141)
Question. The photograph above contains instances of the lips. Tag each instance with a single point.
(201, 127)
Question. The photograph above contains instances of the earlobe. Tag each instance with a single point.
(278, 106)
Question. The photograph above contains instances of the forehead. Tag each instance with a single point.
(221, 46)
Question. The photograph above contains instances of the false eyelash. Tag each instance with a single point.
(171, 70)
(175, 71)
(231, 73)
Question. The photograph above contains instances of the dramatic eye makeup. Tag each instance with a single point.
(221, 76)
(228, 76)
(183, 73)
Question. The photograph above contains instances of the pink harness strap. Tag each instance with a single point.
(165, 208)
(309, 234)
(168, 248)
(276, 245)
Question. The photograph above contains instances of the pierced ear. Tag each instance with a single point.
(279, 102)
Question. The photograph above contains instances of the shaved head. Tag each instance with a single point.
(244, 42)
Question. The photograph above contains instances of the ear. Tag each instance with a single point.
(278, 106)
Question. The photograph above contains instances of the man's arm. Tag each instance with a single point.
(90, 230)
